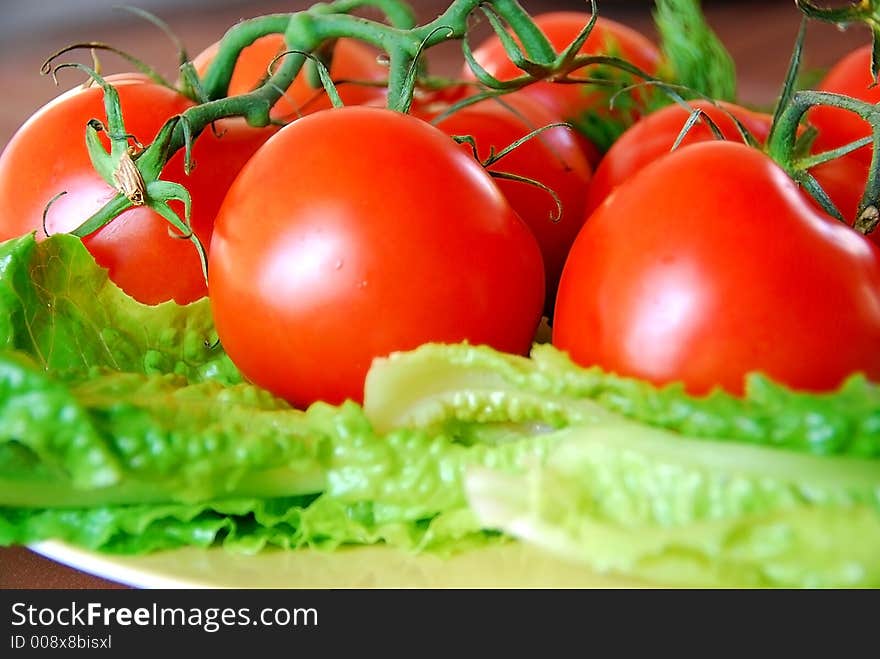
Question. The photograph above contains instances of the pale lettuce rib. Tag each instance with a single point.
(436, 384)
(628, 499)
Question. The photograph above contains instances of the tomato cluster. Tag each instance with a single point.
(137, 249)
(354, 232)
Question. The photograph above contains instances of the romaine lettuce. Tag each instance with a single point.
(58, 306)
(434, 384)
(629, 499)
(123, 428)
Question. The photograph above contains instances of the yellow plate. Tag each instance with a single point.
(510, 565)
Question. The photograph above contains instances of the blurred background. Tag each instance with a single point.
(759, 34)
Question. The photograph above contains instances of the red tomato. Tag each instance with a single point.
(653, 136)
(141, 257)
(573, 102)
(353, 62)
(708, 265)
(380, 235)
(552, 158)
(850, 76)
(844, 179)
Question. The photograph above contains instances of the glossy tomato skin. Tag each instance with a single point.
(677, 278)
(850, 76)
(653, 136)
(48, 155)
(571, 102)
(552, 158)
(380, 235)
(353, 61)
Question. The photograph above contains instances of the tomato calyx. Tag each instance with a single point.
(189, 85)
(781, 146)
(562, 70)
(532, 53)
(495, 156)
(791, 146)
(535, 57)
(134, 172)
(128, 179)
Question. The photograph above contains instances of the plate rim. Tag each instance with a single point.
(127, 570)
(108, 566)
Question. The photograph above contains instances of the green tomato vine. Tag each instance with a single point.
(305, 32)
(135, 173)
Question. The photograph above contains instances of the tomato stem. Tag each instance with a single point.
(215, 82)
(398, 13)
(789, 87)
(782, 145)
(306, 32)
(144, 68)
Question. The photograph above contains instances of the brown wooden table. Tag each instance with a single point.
(759, 35)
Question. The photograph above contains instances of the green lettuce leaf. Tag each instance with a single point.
(241, 525)
(467, 385)
(58, 306)
(122, 429)
(629, 499)
(143, 462)
(128, 437)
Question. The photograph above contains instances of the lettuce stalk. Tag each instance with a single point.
(629, 499)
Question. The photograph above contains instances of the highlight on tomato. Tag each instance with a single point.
(142, 257)
(710, 264)
(354, 68)
(359, 231)
(551, 158)
(578, 104)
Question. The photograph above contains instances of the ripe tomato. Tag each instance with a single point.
(552, 158)
(653, 136)
(850, 76)
(574, 103)
(48, 155)
(353, 62)
(678, 278)
(380, 235)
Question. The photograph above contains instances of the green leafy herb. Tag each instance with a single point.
(694, 53)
